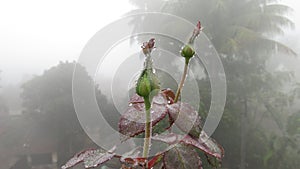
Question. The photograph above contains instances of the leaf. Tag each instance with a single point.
(169, 138)
(186, 118)
(203, 143)
(155, 160)
(182, 157)
(169, 94)
(132, 122)
(213, 162)
(90, 158)
(132, 158)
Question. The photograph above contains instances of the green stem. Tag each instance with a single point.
(182, 80)
(148, 128)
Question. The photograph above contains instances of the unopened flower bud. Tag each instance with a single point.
(147, 83)
(187, 52)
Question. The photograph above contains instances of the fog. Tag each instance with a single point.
(36, 35)
(41, 42)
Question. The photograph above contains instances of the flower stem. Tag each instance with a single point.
(148, 127)
(182, 80)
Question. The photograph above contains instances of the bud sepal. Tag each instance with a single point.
(148, 83)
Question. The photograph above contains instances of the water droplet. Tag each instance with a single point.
(130, 104)
(169, 102)
(159, 99)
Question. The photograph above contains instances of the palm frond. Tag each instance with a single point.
(263, 21)
(277, 46)
(277, 9)
(243, 37)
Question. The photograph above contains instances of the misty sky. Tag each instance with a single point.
(35, 34)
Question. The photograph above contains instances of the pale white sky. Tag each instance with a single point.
(37, 34)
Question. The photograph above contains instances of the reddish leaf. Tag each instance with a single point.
(203, 143)
(91, 158)
(169, 138)
(155, 160)
(162, 98)
(206, 144)
(78, 158)
(182, 157)
(169, 94)
(132, 157)
(132, 122)
(186, 118)
(212, 161)
(136, 99)
(134, 162)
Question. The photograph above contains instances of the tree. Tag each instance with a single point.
(4, 110)
(242, 32)
(48, 99)
(3, 107)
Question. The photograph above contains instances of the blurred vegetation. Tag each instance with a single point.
(4, 110)
(48, 100)
(258, 128)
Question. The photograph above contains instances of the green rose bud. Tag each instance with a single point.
(187, 52)
(147, 83)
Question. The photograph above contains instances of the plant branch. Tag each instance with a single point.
(148, 128)
(185, 70)
(187, 52)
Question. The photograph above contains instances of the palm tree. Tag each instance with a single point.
(243, 33)
(233, 26)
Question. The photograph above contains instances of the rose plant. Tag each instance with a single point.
(152, 105)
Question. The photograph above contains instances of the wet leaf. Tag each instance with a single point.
(212, 161)
(169, 138)
(203, 143)
(186, 118)
(132, 122)
(133, 158)
(169, 94)
(155, 160)
(182, 157)
(90, 158)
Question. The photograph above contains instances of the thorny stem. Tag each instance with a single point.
(148, 127)
(182, 80)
